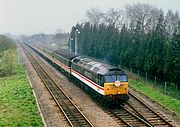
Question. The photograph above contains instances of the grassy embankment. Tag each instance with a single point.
(156, 95)
(17, 104)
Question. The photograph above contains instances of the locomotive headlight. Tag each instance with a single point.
(117, 83)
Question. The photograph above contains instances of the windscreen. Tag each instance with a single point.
(113, 78)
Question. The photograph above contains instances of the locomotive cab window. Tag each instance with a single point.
(76, 60)
(113, 78)
(122, 78)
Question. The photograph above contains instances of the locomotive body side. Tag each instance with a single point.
(109, 81)
(87, 77)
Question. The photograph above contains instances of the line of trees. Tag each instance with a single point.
(141, 37)
(7, 56)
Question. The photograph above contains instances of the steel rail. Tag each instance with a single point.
(146, 112)
(130, 118)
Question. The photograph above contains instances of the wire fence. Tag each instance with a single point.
(166, 88)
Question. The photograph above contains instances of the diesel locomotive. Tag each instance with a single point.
(105, 82)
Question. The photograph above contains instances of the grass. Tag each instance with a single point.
(17, 104)
(156, 95)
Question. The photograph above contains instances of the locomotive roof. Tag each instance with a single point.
(97, 67)
(65, 53)
(49, 47)
(62, 52)
(90, 64)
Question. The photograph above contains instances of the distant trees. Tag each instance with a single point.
(60, 37)
(157, 48)
(6, 43)
(146, 14)
(94, 16)
(7, 56)
(173, 57)
(171, 21)
(113, 17)
(147, 39)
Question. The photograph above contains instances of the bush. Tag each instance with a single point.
(7, 56)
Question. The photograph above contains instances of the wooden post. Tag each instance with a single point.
(165, 86)
(146, 76)
(176, 91)
(155, 79)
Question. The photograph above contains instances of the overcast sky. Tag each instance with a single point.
(35, 16)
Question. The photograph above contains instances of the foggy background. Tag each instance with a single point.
(46, 16)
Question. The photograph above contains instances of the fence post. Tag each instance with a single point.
(165, 85)
(146, 76)
(155, 79)
(138, 72)
(18, 60)
(176, 92)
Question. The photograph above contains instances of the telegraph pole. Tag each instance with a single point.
(70, 44)
(76, 36)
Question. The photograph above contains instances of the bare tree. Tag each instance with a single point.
(114, 17)
(171, 21)
(60, 31)
(94, 15)
(145, 13)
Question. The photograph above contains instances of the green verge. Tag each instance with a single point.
(17, 103)
(156, 95)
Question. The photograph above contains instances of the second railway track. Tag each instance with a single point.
(145, 112)
(137, 114)
(73, 115)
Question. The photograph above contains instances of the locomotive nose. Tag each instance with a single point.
(117, 83)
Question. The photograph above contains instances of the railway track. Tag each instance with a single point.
(134, 113)
(126, 118)
(137, 114)
(73, 115)
(146, 113)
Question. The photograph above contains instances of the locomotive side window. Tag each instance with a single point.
(89, 66)
(53, 54)
(87, 74)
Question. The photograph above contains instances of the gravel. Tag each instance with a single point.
(53, 116)
(51, 113)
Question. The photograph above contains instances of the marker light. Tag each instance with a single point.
(117, 83)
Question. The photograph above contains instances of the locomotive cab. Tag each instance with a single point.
(116, 85)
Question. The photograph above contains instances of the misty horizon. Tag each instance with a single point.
(33, 17)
